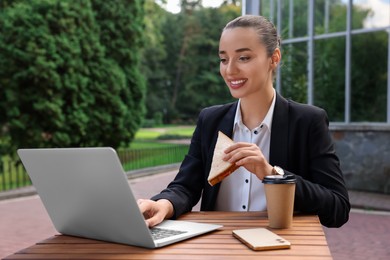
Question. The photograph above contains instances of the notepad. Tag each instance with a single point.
(261, 239)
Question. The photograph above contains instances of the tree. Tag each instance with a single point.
(154, 54)
(202, 82)
(121, 25)
(58, 88)
(188, 76)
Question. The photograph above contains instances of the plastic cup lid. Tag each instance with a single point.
(279, 179)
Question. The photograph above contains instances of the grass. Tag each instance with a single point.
(140, 144)
(156, 133)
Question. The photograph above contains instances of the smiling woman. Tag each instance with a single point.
(269, 132)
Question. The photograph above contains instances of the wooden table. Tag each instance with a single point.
(306, 236)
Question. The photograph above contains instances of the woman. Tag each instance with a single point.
(271, 133)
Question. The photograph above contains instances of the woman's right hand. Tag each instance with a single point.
(155, 212)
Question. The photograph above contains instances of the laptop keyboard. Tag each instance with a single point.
(159, 233)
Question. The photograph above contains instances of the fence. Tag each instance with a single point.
(142, 158)
(13, 175)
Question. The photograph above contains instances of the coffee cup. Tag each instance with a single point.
(279, 193)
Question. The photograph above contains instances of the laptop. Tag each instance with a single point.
(86, 194)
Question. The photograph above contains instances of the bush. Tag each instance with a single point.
(59, 86)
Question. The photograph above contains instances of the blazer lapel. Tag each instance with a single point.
(279, 133)
(226, 124)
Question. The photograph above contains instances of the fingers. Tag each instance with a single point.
(247, 160)
(249, 156)
(148, 211)
(144, 206)
(239, 151)
(155, 212)
(155, 220)
(237, 145)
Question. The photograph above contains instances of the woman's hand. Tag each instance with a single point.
(250, 156)
(155, 211)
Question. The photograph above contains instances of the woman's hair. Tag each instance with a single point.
(265, 30)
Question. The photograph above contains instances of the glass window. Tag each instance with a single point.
(294, 18)
(294, 71)
(329, 77)
(267, 9)
(330, 16)
(368, 62)
(369, 77)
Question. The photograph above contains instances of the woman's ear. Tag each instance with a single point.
(276, 57)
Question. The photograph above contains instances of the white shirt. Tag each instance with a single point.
(242, 190)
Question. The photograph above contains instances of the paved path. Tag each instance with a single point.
(23, 222)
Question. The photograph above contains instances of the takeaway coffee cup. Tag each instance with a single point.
(279, 193)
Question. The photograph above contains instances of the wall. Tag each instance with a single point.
(364, 152)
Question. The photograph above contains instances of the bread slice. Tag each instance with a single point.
(220, 169)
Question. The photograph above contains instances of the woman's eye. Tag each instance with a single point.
(222, 60)
(244, 58)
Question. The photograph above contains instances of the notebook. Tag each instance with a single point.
(86, 194)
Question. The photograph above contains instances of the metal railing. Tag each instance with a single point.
(13, 174)
(142, 158)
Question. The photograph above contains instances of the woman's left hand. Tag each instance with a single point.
(249, 156)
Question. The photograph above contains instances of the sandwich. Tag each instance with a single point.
(220, 169)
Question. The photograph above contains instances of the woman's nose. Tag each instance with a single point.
(231, 68)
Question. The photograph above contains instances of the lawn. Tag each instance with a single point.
(169, 132)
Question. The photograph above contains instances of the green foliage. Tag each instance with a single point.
(61, 85)
(181, 60)
(154, 66)
(202, 82)
(121, 26)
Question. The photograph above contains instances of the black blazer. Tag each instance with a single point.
(300, 143)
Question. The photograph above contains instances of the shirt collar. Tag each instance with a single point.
(267, 121)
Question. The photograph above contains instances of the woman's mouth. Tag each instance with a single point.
(235, 84)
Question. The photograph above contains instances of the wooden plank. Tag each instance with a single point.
(221, 240)
(117, 247)
(307, 238)
(218, 238)
(161, 257)
(178, 249)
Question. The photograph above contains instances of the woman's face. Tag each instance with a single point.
(245, 65)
